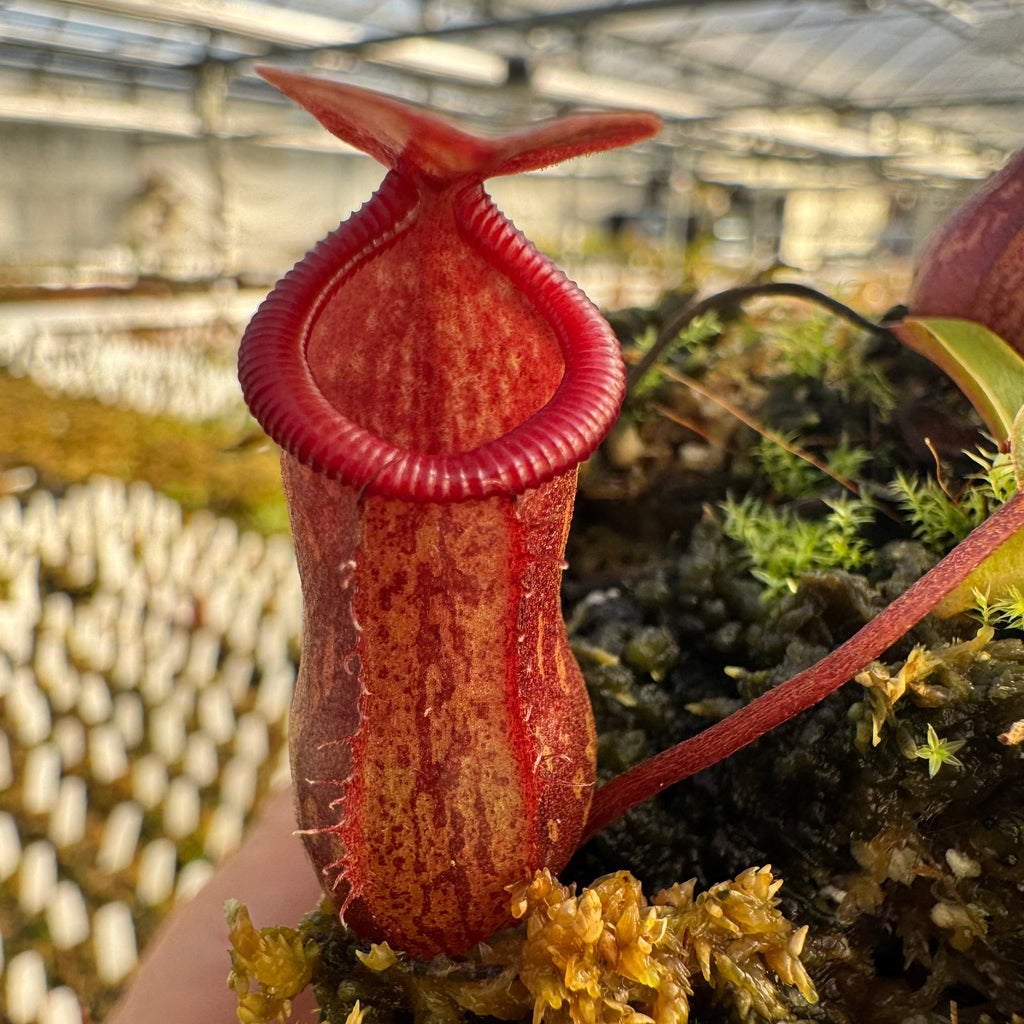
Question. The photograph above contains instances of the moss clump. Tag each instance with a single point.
(269, 967)
(783, 546)
(605, 956)
(934, 677)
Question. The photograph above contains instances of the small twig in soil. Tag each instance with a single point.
(764, 431)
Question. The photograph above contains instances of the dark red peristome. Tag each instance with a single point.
(972, 267)
(434, 383)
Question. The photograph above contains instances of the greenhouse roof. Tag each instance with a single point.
(753, 91)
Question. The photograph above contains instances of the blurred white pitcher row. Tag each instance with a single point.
(140, 353)
(146, 665)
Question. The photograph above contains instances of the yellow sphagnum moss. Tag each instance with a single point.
(950, 662)
(739, 938)
(608, 956)
(605, 956)
(269, 967)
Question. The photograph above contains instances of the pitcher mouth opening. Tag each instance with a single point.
(280, 389)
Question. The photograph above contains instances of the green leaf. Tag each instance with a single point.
(1017, 447)
(988, 371)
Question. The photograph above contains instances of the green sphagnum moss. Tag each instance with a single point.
(782, 546)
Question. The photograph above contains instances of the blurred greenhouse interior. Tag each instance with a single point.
(152, 188)
(138, 141)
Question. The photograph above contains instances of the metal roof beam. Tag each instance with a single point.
(246, 18)
(519, 23)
